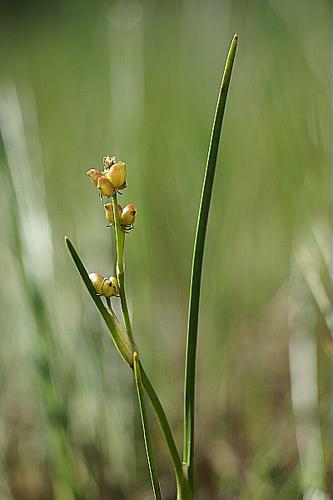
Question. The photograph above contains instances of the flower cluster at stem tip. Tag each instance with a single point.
(109, 181)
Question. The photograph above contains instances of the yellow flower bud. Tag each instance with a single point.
(97, 280)
(117, 174)
(108, 161)
(104, 286)
(115, 287)
(109, 212)
(107, 288)
(105, 187)
(94, 175)
(128, 215)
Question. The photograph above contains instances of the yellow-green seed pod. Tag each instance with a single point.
(107, 288)
(117, 174)
(115, 287)
(103, 286)
(97, 280)
(108, 161)
(128, 215)
(105, 187)
(109, 212)
(94, 175)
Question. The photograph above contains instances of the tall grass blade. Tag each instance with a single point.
(146, 429)
(199, 243)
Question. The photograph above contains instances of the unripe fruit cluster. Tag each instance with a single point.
(126, 214)
(112, 178)
(108, 182)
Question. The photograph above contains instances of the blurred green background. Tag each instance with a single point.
(139, 79)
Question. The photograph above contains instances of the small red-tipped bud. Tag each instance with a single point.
(105, 187)
(109, 212)
(94, 175)
(117, 174)
(108, 161)
(128, 215)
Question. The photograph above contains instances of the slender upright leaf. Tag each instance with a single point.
(199, 244)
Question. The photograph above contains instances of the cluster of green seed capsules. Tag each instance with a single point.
(110, 180)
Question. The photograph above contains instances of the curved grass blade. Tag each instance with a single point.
(199, 244)
(117, 331)
(146, 429)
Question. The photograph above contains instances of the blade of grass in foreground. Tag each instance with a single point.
(146, 429)
(192, 327)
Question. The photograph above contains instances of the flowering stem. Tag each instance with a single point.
(120, 269)
(192, 327)
(120, 243)
(162, 420)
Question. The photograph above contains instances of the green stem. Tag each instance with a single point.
(192, 327)
(120, 243)
(146, 429)
(183, 491)
(163, 422)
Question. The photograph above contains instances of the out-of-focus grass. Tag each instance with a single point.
(139, 79)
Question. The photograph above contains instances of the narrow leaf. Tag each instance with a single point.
(198, 252)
